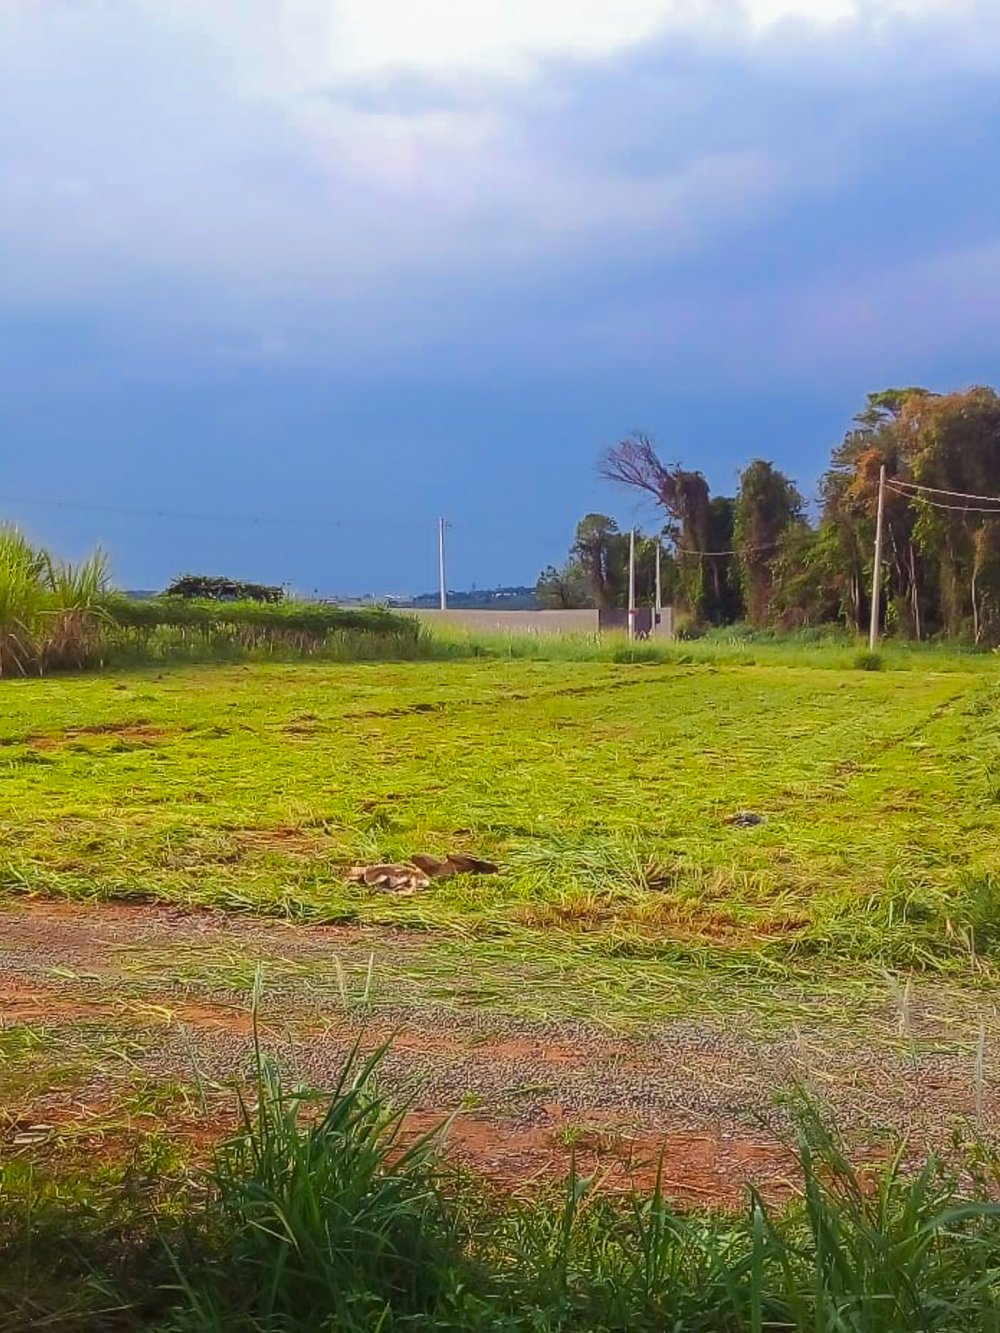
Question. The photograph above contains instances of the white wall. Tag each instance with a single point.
(528, 622)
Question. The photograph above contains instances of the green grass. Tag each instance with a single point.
(603, 790)
(56, 616)
(317, 1215)
(825, 648)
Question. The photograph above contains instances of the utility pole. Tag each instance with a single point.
(658, 601)
(877, 571)
(631, 585)
(442, 581)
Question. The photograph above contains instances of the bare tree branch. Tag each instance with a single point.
(634, 462)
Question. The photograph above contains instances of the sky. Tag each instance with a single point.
(284, 281)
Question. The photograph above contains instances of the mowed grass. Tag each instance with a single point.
(604, 791)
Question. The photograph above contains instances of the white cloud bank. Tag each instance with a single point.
(438, 36)
(378, 170)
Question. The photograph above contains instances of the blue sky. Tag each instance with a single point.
(326, 269)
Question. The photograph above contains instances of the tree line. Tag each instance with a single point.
(760, 556)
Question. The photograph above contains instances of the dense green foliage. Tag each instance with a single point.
(171, 628)
(51, 613)
(767, 508)
(757, 556)
(221, 589)
(315, 1217)
(596, 573)
(251, 621)
(55, 615)
(942, 564)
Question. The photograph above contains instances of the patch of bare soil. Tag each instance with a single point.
(697, 1168)
(30, 1003)
(527, 1097)
(140, 732)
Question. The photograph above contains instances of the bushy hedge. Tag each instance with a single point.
(56, 616)
(283, 617)
(221, 589)
(163, 628)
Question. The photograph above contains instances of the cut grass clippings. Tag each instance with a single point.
(604, 792)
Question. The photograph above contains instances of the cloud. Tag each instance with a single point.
(370, 180)
(512, 37)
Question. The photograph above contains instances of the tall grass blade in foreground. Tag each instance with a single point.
(321, 1216)
(881, 1249)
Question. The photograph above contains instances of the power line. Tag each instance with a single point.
(746, 550)
(254, 520)
(954, 509)
(897, 483)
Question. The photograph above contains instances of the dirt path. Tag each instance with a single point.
(102, 1006)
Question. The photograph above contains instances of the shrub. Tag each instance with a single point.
(687, 627)
(866, 660)
(220, 589)
(164, 626)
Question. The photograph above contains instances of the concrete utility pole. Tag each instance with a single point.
(658, 601)
(877, 571)
(631, 585)
(442, 581)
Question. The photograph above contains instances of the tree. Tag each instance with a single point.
(951, 443)
(807, 587)
(596, 573)
(596, 550)
(218, 589)
(941, 550)
(767, 505)
(850, 500)
(696, 524)
(942, 554)
(721, 594)
(562, 589)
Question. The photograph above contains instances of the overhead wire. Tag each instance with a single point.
(746, 550)
(949, 508)
(255, 520)
(899, 482)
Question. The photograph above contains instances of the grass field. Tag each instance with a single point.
(632, 999)
(604, 792)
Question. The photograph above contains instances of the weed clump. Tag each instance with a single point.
(317, 1215)
(320, 1216)
(868, 660)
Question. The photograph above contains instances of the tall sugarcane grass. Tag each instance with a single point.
(51, 611)
(58, 615)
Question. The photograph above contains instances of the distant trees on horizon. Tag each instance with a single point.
(759, 557)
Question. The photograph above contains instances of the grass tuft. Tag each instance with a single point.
(317, 1215)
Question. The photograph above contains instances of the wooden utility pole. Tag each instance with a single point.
(877, 571)
(631, 585)
(442, 581)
